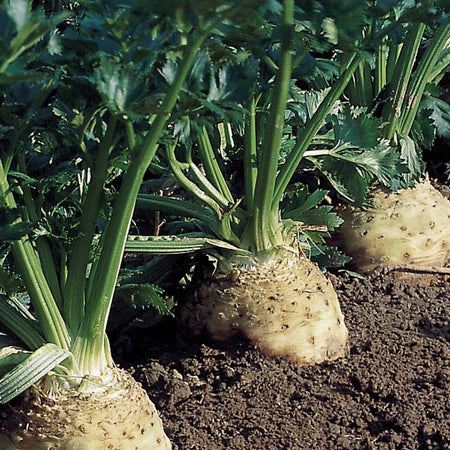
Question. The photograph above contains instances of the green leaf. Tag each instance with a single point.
(321, 216)
(357, 128)
(11, 228)
(141, 296)
(141, 305)
(30, 371)
(118, 84)
(412, 157)
(345, 177)
(306, 103)
(10, 283)
(301, 200)
(381, 162)
(440, 114)
(423, 130)
(328, 257)
(351, 170)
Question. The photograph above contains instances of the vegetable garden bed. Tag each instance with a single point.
(390, 393)
(215, 144)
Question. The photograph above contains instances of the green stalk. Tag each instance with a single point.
(361, 88)
(250, 155)
(89, 347)
(442, 66)
(177, 170)
(211, 166)
(176, 207)
(204, 184)
(421, 77)
(75, 287)
(41, 243)
(262, 232)
(380, 68)
(19, 325)
(393, 109)
(210, 197)
(42, 299)
(392, 59)
(312, 127)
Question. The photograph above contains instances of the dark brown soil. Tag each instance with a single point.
(391, 392)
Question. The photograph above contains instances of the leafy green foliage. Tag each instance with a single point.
(10, 231)
(307, 208)
(440, 115)
(21, 29)
(412, 157)
(312, 220)
(139, 305)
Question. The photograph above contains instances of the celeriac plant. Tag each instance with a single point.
(265, 287)
(396, 84)
(81, 120)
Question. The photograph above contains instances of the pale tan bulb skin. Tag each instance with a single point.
(283, 305)
(409, 226)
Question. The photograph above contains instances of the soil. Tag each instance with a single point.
(390, 392)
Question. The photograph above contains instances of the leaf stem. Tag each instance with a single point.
(262, 231)
(393, 109)
(311, 128)
(421, 77)
(75, 287)
(41, 296)
(250, 154)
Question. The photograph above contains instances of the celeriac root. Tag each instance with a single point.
(284, 305)
(118, 415)
(409, 226)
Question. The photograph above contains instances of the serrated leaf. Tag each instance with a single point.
(361, 130)
(118, 84)
(305, 103)
(321, 216)
(440, 114)
(328, 257)
(412, 158)
(423, 130)
(141, 304)
(380, 162)
(30, 371)
(345, 177)
(142, 296)
(302, 200)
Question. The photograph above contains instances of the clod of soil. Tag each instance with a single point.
(391, 392)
